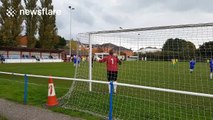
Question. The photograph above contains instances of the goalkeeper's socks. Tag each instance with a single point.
(109, 87)
(115, 86)
(210, 75)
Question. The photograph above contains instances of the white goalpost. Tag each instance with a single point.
(164, 73)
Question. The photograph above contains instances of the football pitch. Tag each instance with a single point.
(129, 103)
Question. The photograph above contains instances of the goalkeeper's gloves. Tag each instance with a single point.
(97, 59)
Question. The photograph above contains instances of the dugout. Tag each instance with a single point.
(22, 55)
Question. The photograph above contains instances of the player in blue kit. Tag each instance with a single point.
(211, 67)
(191, 65)
(75, 60)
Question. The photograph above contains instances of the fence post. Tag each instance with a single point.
(25, 88)
(110, 100)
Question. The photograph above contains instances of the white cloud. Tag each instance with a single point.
(95, 15)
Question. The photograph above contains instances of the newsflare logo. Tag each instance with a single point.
(11, 12)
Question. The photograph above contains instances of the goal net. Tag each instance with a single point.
(165, 73)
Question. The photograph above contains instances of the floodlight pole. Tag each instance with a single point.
(70, 50)
(90, 63)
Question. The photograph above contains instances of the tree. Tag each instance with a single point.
(38, 44)
(31, 23)
(74, 45)
(61, 43)
(99, 50)
(179, 48)
(47, 27)
(1, 41)
(178, 45)
(10, 25)
(205, 50)
(5, 22)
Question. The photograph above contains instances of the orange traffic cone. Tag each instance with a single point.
(51, 100)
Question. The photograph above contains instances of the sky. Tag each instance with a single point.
(97, 15)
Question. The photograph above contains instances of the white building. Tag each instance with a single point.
(149, 50)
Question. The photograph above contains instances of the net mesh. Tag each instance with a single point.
(157, 57)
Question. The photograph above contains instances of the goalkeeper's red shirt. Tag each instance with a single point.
(111, 62)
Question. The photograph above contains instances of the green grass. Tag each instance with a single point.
(132, 103)
(129, 103)
(12, 87)
(2, 118)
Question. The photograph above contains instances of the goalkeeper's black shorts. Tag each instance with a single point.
(112, 75)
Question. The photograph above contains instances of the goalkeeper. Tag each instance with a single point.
(112, 68)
